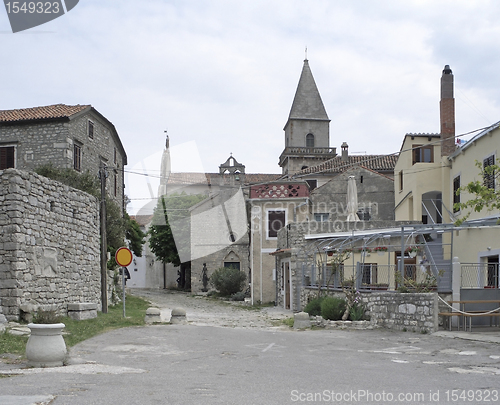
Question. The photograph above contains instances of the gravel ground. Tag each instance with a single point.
(201, 310)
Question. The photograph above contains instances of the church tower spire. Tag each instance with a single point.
(307, 130)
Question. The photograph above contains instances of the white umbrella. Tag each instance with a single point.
(352, 200)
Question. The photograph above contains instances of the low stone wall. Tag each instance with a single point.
(415, 312)
(49, 244)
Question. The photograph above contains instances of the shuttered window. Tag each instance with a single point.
(7, 157)
(489, 178)
(275, 221)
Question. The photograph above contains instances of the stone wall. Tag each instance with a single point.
(49, 243)
(414, 312)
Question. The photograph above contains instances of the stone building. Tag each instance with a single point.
(77, 137)
(50, 232)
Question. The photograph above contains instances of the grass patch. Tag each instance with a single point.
(78, 331)
(12, 344)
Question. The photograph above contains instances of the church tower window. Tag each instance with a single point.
(309, 140)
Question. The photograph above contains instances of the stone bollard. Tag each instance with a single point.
(153, 315)
(178, 316)
(301, 321)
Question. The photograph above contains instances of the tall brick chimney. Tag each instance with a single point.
(447, 113)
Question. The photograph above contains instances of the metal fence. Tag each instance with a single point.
(363, 276)
(369, 276)
(479, 275)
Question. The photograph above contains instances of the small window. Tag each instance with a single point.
(364, 214)
(115, 185)
(456, 195)
(370, 274)
(232, 265)
(312, 184)
(400, 180)
(77, 157)
(489, 178)
(275, 221)
(114, 158)
(7, 157)
(91, 129)
(309, 141)
(423, 154)
(321, 217)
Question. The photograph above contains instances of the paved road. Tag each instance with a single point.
(202, 364)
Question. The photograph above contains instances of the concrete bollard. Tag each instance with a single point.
(178, 316)
(153, 315)
(301, 320)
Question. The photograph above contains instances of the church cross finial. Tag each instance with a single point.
(167, 142)
(306, 52)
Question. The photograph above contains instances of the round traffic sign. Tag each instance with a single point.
(123, 256)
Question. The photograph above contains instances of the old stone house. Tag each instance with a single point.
(49, 239)
(66, 136)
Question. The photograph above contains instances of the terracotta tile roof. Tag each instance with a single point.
(41, 113)
(213, 178)
(376, 163)
(142, 220)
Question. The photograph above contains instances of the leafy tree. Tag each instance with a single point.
(134, 235)
(482, 195)
(172, 208)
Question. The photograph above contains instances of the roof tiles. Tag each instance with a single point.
(41, 113)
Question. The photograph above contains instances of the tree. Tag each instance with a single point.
(169, 209)
(484, 196)
(134, 235)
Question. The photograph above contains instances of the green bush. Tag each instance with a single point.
(357, 312)
(239, 296)
(228, 281)
(313, 307)
(333, 308)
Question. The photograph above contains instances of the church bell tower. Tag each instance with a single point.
(307, 130)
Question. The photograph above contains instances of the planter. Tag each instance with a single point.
(46, 347)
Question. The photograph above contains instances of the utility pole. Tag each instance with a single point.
(103, 174)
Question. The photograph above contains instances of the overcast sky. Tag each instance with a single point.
(220, 75)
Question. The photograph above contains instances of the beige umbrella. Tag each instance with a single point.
(352, 200)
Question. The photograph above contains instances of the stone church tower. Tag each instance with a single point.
(307, 130)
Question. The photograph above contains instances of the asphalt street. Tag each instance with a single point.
(200, 364)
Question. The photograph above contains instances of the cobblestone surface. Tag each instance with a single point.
(201, 310)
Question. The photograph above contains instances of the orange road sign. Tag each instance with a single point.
(123, 256)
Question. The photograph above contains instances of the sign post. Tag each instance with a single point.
(123, 257)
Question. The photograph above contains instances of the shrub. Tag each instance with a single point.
(357, 312)
(228, 281)
(313, 307)
(46, 316)
(333, 308)
(239, 296)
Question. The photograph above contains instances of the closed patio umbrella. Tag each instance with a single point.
(352, 200)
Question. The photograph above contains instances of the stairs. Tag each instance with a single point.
(434, 253)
